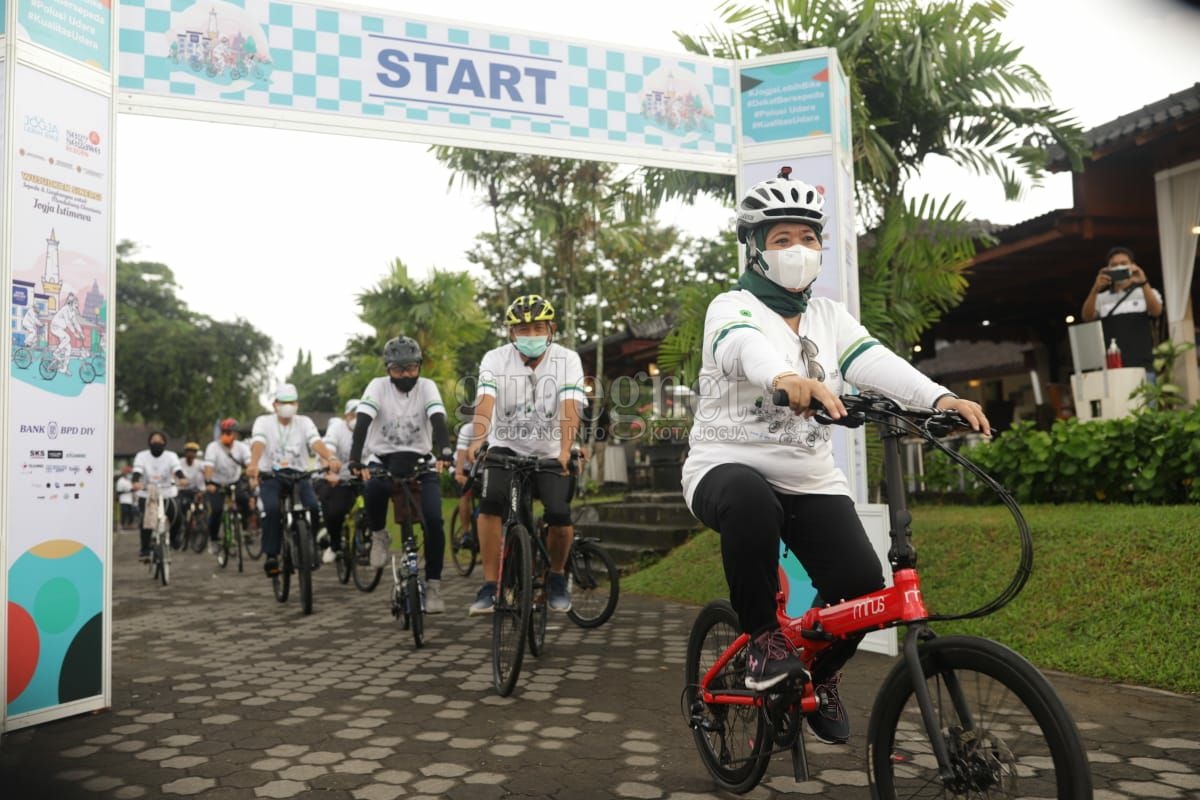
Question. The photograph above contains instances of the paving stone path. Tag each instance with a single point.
(220, 692)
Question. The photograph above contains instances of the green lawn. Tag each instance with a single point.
(1115, 592)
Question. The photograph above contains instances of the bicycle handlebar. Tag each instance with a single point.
(868, 407)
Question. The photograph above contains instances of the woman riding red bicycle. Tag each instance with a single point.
(758, 472)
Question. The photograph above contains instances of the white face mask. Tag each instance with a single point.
(286, 410)
(794, 268)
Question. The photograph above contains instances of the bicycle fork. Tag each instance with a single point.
(912, 658)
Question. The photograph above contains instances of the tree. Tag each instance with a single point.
(318, 392)
(925, 79)
(176, 368)
(441, 313)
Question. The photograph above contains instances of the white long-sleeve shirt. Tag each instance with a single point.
(746, 345)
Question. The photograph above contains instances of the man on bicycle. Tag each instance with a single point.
(339, 495)
(159, 466)
(528, 404)
(401, 419)
(193, 477)
(283, 440)
(65, 324)
(224, 459)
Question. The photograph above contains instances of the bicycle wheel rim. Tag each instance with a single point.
(1022, 743)
(366, 577)
(595, 584)
(461, 553)
(730, 739)
(237, 541)
(510, 619)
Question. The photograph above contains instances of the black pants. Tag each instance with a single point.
(339, 499)
(216, 508)
(378, 492)
(823, 531)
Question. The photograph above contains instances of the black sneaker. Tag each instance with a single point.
(770, 659)
(829, 723)
(271, 566)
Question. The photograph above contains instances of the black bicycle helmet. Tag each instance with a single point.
(401, 350)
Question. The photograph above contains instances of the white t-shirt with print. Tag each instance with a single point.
(528, 408)
(194, 473)
(338, 437)
(284, 445)
(746, 345)
(159, 470)
(1134, 304)
(227, 463)
(400, 420)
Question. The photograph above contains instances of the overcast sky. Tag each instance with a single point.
(284, 228)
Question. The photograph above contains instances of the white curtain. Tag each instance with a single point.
(1178, 195)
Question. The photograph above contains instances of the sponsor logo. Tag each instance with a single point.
(54, 453)
(69, 454)
(84, 144)
(40, 126)
(52, 429)
(37, 453)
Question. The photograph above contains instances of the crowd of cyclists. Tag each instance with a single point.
(398, 427)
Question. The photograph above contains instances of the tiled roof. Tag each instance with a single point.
(1168, 111)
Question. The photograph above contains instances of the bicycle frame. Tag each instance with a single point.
(900, 604)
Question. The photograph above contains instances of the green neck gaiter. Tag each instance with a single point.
(774, 296)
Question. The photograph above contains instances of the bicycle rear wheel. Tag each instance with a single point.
(464, 547)
(305, 547)
(1007, 732)
(366, 577)
(731, 739)
(595, 584)
(510, 620)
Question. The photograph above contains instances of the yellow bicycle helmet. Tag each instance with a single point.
(529, 308)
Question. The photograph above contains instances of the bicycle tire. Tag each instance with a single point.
(253, 541)
(1022, 734)
(236, 523)
(47, 369)
(342, 558)
(539, 608)
(724, 726)
(416, 614)
(281, 581)
(464, 554)
(22, 358)
(164, 574)
(305, 546)
(87, 373)
(366, 577)
(595, 583)
(510, 619)
(223, 545)
(197, 535)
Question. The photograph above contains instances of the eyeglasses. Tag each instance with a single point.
(413, 368)
(808, 353)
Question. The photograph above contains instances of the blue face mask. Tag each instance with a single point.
(532, 346)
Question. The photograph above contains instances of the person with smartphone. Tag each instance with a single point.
(1125, 303)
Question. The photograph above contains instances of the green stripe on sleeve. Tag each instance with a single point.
(851, 353)
(572, 387)
(724, 331)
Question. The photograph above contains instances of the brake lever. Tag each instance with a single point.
(852, 419)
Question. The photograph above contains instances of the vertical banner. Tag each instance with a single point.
(58, 431)
(80, 30)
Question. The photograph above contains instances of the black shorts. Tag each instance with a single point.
(554, 490)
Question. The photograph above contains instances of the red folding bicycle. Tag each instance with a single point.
(958, 716)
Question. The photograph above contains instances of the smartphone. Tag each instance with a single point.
(1118, 274)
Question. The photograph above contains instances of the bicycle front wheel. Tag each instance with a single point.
(281, 581)
(305, 547)
(510, 620)
(731, 739)
(464, 547)
(366, 577)
(164, 574)
(416, 615)
(253, 539)
(224, 545)
(197, 535)
(342, 558)
(238, 537)
(1006, 731)
(595, 584)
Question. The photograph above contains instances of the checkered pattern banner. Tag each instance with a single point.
(292, 56)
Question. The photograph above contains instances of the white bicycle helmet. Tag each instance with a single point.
(780, 200)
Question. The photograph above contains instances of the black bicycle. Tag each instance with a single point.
(464, 533)
(298, 551)
(408, 590)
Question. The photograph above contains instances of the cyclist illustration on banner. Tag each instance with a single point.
(218, 44)
(59, 344)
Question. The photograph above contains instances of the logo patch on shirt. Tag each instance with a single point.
(745, 312)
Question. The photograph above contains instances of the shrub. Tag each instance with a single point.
(1148, 457)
